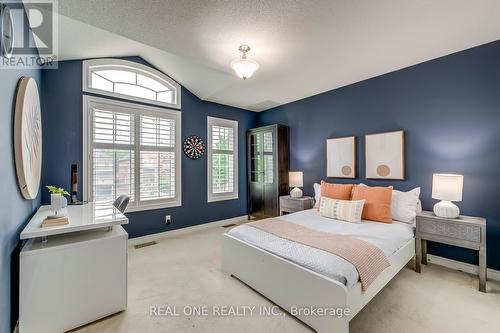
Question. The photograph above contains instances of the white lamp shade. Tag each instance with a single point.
(244, 68)
(295, 179)
(447, 187)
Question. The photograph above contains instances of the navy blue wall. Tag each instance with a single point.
(14, 209)
(450, 110)
(62, 125)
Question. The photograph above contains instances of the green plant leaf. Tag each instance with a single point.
(56, 190)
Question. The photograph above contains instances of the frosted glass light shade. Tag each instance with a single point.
(244, 68)
(295, 179)
(447, 187)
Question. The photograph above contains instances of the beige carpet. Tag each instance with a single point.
(183, 272)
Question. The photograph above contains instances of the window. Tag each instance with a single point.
(222, 159)
(130, 80)
(134, 150)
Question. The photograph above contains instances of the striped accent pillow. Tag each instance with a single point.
(344, 210)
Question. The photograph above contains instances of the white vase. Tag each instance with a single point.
(57, 204)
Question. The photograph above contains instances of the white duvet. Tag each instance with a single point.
(388, 237)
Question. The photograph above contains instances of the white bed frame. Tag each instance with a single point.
(290, 285)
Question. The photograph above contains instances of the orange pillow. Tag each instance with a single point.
(336, 191)
(378, 202)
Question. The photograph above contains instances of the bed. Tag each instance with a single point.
(295, 276)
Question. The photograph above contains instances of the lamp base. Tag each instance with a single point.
(296, 193)
(446, 209)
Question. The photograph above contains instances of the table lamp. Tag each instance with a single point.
(448, 188)
(296, 180)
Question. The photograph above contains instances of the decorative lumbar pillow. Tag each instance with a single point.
(378, 202)
(344, 210)
(336, 191)
(405, 205)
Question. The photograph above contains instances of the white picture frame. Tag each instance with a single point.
(385, 155)
(341, 157)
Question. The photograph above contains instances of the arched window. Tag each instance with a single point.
(130, 80)
(130, 148)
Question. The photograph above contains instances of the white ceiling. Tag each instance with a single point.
(303, 47)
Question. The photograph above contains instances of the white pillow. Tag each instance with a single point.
(405, 205)
(317, 194)
(419, 207)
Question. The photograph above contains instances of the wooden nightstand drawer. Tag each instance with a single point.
(292, 205)
(471, 233)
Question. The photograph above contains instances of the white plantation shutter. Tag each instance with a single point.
(222, 159)
(133, 150)
(157, 161)
(112, 156)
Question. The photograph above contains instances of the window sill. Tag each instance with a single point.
(153, 207)
(223, 198)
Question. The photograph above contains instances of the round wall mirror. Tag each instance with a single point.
(28, 137)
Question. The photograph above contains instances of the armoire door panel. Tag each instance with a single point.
(267, 167)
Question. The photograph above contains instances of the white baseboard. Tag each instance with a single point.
(177, 232)
(462, 266)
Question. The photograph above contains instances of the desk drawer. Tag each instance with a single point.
(471, 233)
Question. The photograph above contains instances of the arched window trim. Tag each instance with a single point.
(89, 66)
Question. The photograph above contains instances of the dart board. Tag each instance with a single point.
(194, 147)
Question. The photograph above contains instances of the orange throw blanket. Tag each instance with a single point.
(368, 259)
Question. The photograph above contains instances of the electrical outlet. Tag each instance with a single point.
(168, 219)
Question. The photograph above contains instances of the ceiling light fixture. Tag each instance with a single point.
(244, 67)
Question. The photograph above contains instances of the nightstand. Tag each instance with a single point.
(465, 231)
(292, 205)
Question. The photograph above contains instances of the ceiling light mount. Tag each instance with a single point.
(244, 49)
(244, 67)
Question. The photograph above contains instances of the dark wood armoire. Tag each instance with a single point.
(268, 165)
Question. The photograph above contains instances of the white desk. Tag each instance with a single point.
(81, 217)
(72, 274)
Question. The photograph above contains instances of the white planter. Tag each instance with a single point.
(57, 203)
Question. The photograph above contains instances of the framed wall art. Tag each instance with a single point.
(341, 157)
(385, 155)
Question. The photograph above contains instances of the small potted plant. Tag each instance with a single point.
(57, 200)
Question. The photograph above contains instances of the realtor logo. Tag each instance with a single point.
(28, 34)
